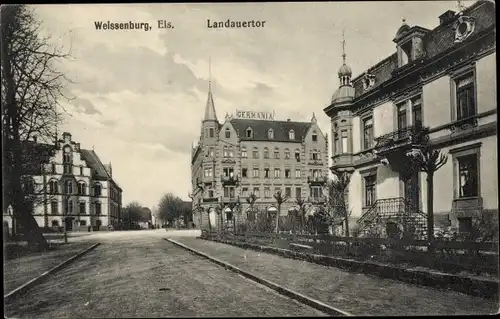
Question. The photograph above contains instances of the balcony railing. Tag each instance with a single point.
(229, 180)
(210, 199)
(317, 199)
(230, 199)
(316, 180)
(407, 136)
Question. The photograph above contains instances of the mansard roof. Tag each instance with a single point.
(436, 42)
(260, 130)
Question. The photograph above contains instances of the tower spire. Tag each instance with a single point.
(343, 46)
(210, 74)
(210, 114)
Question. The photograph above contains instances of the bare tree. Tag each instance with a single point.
(428, 159)
(251, 213)
(31, 90)
(171, 207)
(336, 198)
(280, 199)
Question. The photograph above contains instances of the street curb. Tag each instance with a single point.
(279, 289)
(487, 289)
(30, 284)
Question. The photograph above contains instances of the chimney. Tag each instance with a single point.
(447, 16)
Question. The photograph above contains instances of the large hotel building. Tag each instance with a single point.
(439, 83)
(261, 156)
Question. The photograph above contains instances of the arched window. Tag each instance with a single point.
(82, 188)
(291, 134)
(297, 154)
(287, 153)
(53, 186)
(314, 136)
(68, 187)
(98, 208)
(227, 132)
(266, 152)
(276, 153)
(53, 168)
(315, 155)
(244, 152)
(270, 133)
(255, 152)
(225, 151)
(67, 155)
(97, 189)
(249, 132)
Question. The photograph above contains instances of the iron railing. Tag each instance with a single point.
(410, 134)
(316, 179)
(229, 179)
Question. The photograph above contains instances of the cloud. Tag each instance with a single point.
(85, 106)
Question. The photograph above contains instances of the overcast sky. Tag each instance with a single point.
(140, 95)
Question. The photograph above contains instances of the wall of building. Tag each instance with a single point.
(355, 194)
(383, 119)
(486, 83)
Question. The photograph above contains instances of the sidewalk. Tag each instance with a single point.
(358, 294)
(21, 270)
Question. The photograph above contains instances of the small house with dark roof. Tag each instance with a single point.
(70, 187)
(241, 156)
(439, 85)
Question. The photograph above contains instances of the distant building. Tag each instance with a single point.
(439, 83)
(146, 218)
(242, 156)
(73, 188)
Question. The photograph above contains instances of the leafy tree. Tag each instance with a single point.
(31, 90)
(132, 214)
(336, 198)
(171, 207)
(251, 211)
(280, 199)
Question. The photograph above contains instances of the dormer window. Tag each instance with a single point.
(463, 28)
(314, 136)
(291, 134)
(249, 133)
(406, 49)
(368, 81)
(227, 133)
(270, 134)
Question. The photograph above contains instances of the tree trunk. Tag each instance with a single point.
(430, 209)
(278, 219)
(294, 230)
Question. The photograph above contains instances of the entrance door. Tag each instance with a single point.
(412, 191)
(68, 223)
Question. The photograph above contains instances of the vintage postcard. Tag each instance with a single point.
(250, 159)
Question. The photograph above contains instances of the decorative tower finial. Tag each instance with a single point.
(210, 114)
(313, 119)
(343, 47)
(209, 74)
(404, 20)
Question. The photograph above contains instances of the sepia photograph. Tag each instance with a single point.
(265, 159)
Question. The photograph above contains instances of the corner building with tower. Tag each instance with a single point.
(242, 156)
(441, 84)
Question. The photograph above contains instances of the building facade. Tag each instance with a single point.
(241, 156)
(72, 189)
(440, 84)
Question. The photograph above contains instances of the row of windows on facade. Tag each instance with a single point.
(229, 172)
(210, 133)
(465, 104)
(230, 192)
(229, 153)
(68, 188)
(69, 207)
(468, 181)
(55, 223)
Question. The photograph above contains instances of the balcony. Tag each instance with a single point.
(229, 180)
(210, 200)
(230, 199)
(317, 199)
(316, 180)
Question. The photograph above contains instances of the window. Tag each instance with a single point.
(81, 208)
(416, 109)
(335, 143)
(370, 184)
(244, 152)
(255, 153)
(266, 173)
(81, 170)
(288, 173)
(211, 132)
(297, 155)
(266, 152)
(276, 153)
(225, 152)
(465, 225)
(97, 189)
(98, 208)
(298, 192)
(29, 186)
(53, 168)
(249, 133)
(291, 135)
(316, 192)
(67, 168)
(401, 116)
(210, 193)
(229, 192)
(406, 53)
(67, 155)
(227, 133)
(315, 155)
(68, 187)
(367, 133)
(69, 207)
(468, 176)
(315, 173)
(270, 134)
(211, 152)
(228, 172)
(208, 172)
(267, 192)
(297, 173)
(81, 188)
(55, 223)
(255, 172)
(276, 173)
(244, 172)
(314, 136)
(287, 153)
(466, 106)
(344, 142)
(54, 207)
(288, 191)
(83, 223)
(244, 191)
(256, 191)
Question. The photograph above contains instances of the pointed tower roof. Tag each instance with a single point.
(210, 114)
